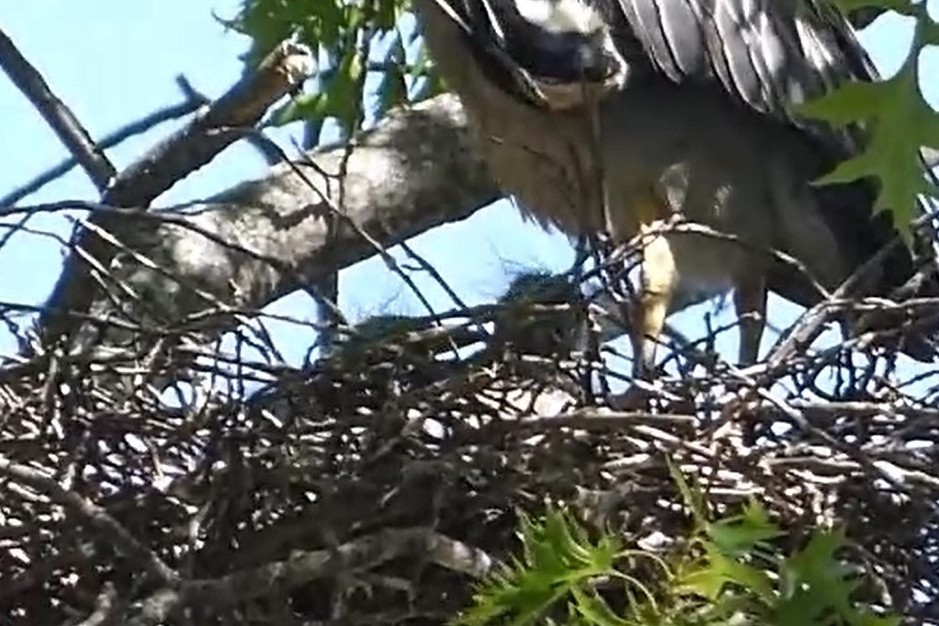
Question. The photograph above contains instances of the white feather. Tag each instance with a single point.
(561, 16)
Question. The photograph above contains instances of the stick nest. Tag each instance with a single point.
(171, 485)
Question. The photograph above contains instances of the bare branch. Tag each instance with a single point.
(105, 607)
(359, 555)
(56, 113)
(108, 528)
(108, 141)
(266, 238)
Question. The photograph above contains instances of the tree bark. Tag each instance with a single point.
(264, 239)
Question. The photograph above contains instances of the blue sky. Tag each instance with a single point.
(115, 61)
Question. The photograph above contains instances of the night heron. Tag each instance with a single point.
(632, 117)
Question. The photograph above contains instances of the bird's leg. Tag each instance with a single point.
(659, 275)
(750, 305)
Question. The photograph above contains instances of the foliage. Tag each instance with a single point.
(898, 120)
(729, 571)
(346, 35)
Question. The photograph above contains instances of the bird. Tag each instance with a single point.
(643, 118)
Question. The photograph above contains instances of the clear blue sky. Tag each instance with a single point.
(115, 61)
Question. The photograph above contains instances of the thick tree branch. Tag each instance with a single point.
(224, 122)
(266, 238)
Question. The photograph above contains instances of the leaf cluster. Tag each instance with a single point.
(897, 120)
(727, 571)
(353, 40)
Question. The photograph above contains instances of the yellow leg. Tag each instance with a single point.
(750, 304)
(659, 277)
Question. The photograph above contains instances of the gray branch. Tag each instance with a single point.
(301, 567)
(263, 239)
(223, 122)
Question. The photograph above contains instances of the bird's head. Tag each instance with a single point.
(562, 46)
(574, 17)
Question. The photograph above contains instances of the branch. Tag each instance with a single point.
(302, 567)
(223, 123)
(106, 607)
(70, 131)
(121, 134)
(99, 519)
(264, 239)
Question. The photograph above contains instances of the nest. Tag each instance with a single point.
(377, 484)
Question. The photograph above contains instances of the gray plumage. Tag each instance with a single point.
(689, 106)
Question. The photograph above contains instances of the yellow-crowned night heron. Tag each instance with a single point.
(626, 115)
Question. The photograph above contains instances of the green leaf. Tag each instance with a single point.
(719, 570)
(739, 535)
(898, 121)
(930, 31)
(847, 104)
(335, 30)
(815, 583)
(593, 608)
(930, 132)
(388, 13)
(864, 618)
(557, 555)
(302, 107)
(692, 498)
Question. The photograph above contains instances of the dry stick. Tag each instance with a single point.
(63, 122)
(329, 286)
(108, 528)
(69, 130)
(340, 216)
(106, 607)
(120, 135)
(811, 323)
(170, 161)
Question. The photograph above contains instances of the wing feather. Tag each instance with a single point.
(643, 17)
(767, 54)
(736, 38)
(682, 26)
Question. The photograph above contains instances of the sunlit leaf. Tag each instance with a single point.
(595, 610)
(736, 536)
(691, 497)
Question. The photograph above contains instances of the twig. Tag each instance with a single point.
(106, 606)
(70, 131)
(108, 141)
(108, 527)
